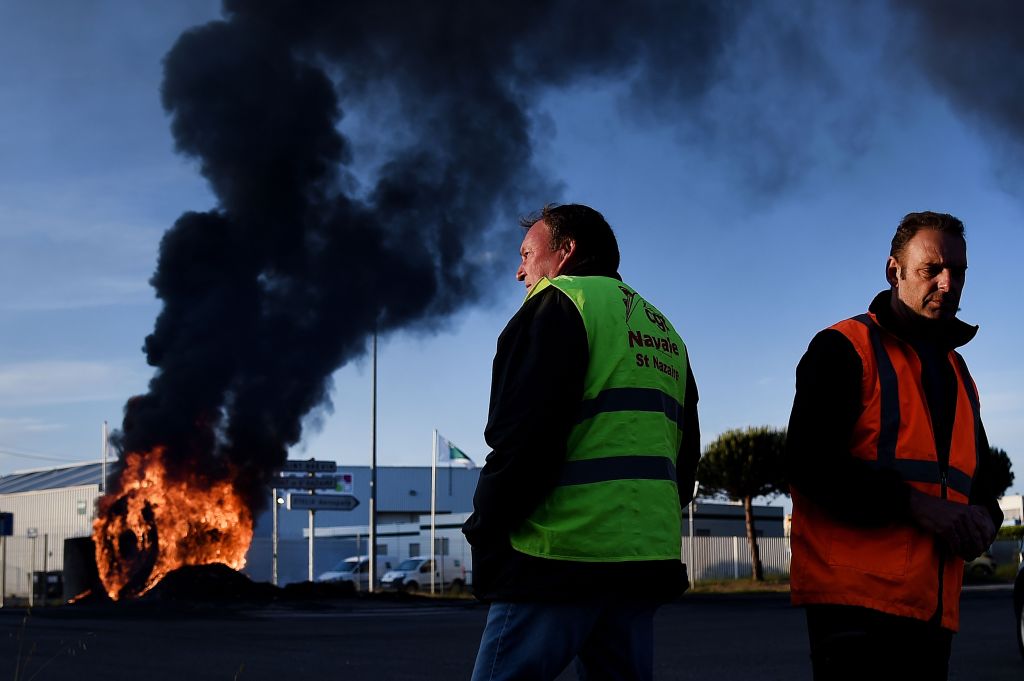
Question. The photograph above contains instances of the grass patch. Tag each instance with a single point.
(773, 584)
(1006, 573)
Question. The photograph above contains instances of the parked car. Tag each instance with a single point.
(983, 566)
(1018, 598)
(413, 574)
(356, 570)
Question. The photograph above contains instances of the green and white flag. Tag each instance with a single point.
(448, 453)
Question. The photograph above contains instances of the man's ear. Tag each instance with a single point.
(566, 254)
(892, 272)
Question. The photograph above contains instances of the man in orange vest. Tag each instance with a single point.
(888, 460)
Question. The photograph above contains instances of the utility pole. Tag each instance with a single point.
(273, 541)
(372, 553)
(103, 458)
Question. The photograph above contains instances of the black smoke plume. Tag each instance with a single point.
(367, 156)
(313, 246)
(971, 54)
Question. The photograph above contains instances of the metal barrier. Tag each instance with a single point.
(717, 558)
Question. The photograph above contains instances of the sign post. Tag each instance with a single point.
(32, 533)
(312, 481)
(692, 568)
(6, 530)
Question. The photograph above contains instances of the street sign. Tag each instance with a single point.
(296, 482)
(322, 502)
(309, 466)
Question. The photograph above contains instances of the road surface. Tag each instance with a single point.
(701, 637)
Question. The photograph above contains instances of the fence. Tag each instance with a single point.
(714, 558)
(717, 558)
(28, 559)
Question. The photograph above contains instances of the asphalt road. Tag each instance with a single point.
(702, 637)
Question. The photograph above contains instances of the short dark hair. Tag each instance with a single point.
(595, 240)
(912, 223)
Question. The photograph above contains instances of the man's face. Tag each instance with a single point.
(929, 277)
(538, 258)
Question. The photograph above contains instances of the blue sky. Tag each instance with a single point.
(752, 221)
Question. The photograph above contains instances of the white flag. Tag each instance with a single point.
(448, 453)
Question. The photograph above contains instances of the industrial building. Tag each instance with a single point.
(1012, 506)
(54, 504)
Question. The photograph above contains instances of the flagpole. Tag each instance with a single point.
(104, 437)
(433, 508)
(372, 552)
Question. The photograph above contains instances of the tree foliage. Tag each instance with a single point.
(998, 473)
(745, 463)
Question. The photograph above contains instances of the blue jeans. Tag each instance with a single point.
(537, 641)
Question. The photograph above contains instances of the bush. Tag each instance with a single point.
(1011, 532)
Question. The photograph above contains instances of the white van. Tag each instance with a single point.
(356, 570)
(413, 574)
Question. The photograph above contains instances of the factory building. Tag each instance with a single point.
(51, 505)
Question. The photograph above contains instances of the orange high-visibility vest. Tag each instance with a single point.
(897, 569)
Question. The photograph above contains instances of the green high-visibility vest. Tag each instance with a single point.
(617, 498)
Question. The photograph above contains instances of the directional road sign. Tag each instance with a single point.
(297, 482)
(309, 466)
(322, 502)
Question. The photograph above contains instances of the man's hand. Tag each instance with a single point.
(966, 531)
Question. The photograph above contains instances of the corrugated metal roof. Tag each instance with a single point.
(54, 478)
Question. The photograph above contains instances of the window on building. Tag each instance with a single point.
(441, 546)
(414, 549)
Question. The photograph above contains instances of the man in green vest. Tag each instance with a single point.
(576, 528)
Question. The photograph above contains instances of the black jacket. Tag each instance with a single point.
(536, 390)
(828, 404)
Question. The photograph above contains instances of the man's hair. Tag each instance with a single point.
(595, 240)
(912, 223)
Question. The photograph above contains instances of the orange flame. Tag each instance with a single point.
(150, 524)
(85, 594)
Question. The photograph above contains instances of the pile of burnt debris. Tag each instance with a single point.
(218, 584)
(214, 584)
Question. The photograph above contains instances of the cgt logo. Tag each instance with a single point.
(629, 301)
(656, 318)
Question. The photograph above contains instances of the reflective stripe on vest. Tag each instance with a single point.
(586, 471)
(912, 470)
(896, 568)
(616, 498)
(633, 399)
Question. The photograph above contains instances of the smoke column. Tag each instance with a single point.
(308, 251)
(321, 236)
(971, 53)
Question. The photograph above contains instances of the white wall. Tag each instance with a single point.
(53, 515)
